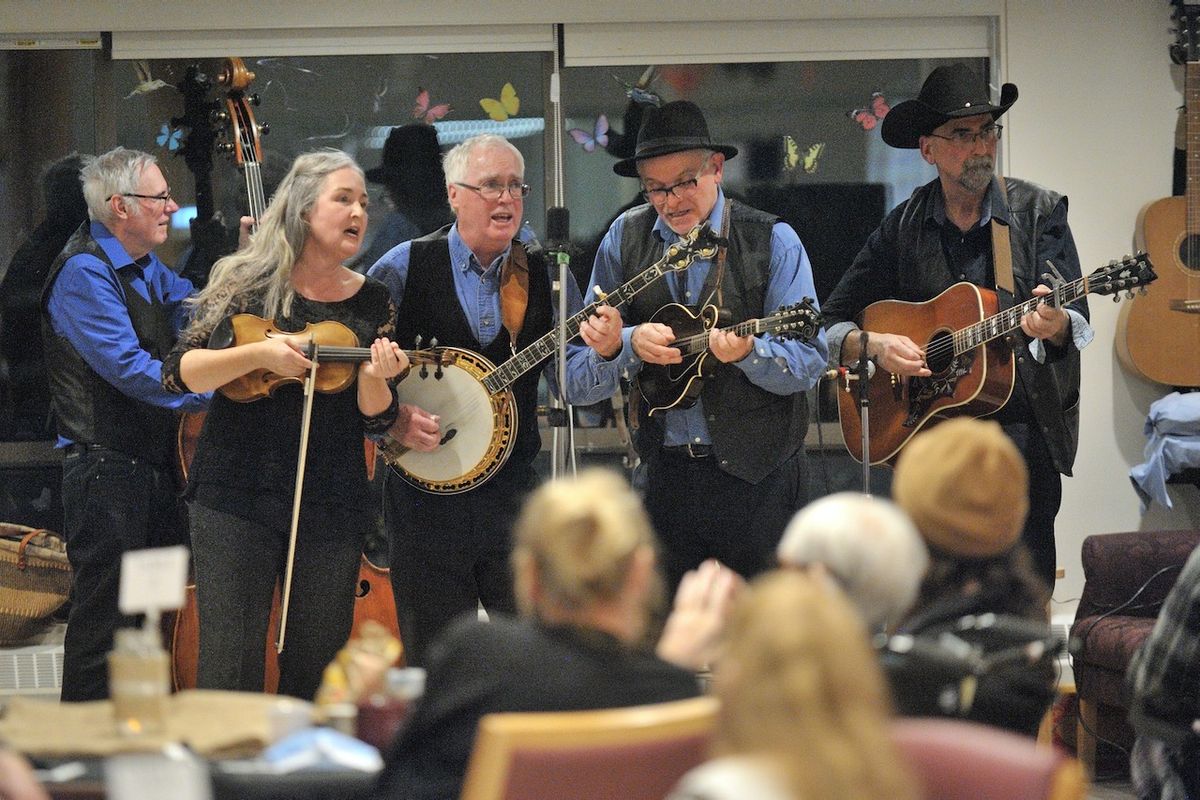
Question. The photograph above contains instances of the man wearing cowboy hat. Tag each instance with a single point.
(723, 477)
(943, 234)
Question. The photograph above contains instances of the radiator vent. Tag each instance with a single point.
(34, 669)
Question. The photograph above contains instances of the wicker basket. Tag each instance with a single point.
(35, 580)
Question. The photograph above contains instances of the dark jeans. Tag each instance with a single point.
(237, 563)
(701, 512)
(449, 553)
(1045, 497)
(111, 503)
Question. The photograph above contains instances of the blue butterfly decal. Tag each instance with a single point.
(169, 137)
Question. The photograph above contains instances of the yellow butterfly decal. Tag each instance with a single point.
(507, 106)
(810, 158)
(791, 153)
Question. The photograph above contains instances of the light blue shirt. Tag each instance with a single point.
(1173, 445)
(780, 366)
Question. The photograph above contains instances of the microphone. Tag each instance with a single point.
(851, 373)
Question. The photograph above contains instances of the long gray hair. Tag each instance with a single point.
(264, 267)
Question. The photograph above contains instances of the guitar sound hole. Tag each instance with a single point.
(939, 353)
(1189, 251)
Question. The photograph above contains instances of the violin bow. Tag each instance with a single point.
(310, 391)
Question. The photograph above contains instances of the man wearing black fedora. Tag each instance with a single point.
(951, 230)
(723, 477)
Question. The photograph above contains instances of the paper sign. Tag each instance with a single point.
(153, 579)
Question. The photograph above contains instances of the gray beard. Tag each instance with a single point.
(977, 173)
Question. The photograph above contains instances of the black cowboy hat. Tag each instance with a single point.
(405, 145)
(949, 92)
(672, 128)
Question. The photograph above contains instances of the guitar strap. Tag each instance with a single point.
(1002, 249)
(514, 291)
(717, 277)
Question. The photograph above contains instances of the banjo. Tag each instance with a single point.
(474, 398)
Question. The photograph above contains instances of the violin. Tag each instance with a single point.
(330, 343)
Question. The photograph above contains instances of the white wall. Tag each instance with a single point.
(1096, 120)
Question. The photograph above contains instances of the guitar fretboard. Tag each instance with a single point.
(752, 327)
(1009, 319)
(1191, 91)
(529, 357)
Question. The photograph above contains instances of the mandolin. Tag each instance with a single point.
(677, 386)
(1158, 334)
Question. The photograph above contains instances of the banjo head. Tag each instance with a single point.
(478, 429)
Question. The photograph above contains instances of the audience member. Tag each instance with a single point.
(1165, 762)
(17, 781)
(867, 545)
(963, 483)
(586, 584)
(804, 707)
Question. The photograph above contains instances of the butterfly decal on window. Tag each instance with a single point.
(794, 156)
(422, 110)
(507, 106)
(169, 137)
(598, 136)
(870, 116)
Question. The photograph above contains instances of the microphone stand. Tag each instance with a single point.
(864, 410)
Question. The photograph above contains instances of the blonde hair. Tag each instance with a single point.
(581, 536)
(801, 686)
(117, 172)
(264, 267)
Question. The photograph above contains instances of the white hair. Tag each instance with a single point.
(869, 546)
(455, 162)
(117, 172)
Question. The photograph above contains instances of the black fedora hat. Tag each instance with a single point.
(405, 146)
(671, 128)
(949, 92)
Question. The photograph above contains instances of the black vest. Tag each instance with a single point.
(753, 431)
(1050, 390)
(90, 410)
(431, 310)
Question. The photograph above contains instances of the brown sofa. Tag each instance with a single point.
(1126, 578)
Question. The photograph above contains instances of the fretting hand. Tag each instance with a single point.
(1046, 321)
(728, 347)
(387, 360)
(602, 331)
(651, 342)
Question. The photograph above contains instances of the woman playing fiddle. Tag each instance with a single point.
(243, 475)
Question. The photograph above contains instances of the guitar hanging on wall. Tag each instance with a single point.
(1158, 334)
(966, 342)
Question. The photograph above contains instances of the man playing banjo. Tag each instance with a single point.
(471, 285)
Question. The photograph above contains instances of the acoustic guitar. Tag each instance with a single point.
(1158, 334)
(677, 386)
(969, 349)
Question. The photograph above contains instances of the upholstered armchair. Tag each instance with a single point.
(1126, 578)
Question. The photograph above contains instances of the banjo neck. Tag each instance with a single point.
(700, 242)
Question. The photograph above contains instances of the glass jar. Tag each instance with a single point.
(382, 714)
(139, 681)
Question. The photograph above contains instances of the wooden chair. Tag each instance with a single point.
(960, 760)
(635, 753)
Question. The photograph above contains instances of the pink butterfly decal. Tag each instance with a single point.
(588, 141)
(869, 117)
(430, 114)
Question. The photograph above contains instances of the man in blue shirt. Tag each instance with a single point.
(724, 476)
(450, 552)
(110, 312)
(943, 234)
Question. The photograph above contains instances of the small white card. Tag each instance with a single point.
(153, 579)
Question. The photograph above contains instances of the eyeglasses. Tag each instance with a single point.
(493, 191)
(988, 133)
(659, 196)
(165, 197)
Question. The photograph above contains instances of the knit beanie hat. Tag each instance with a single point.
(965, 485)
